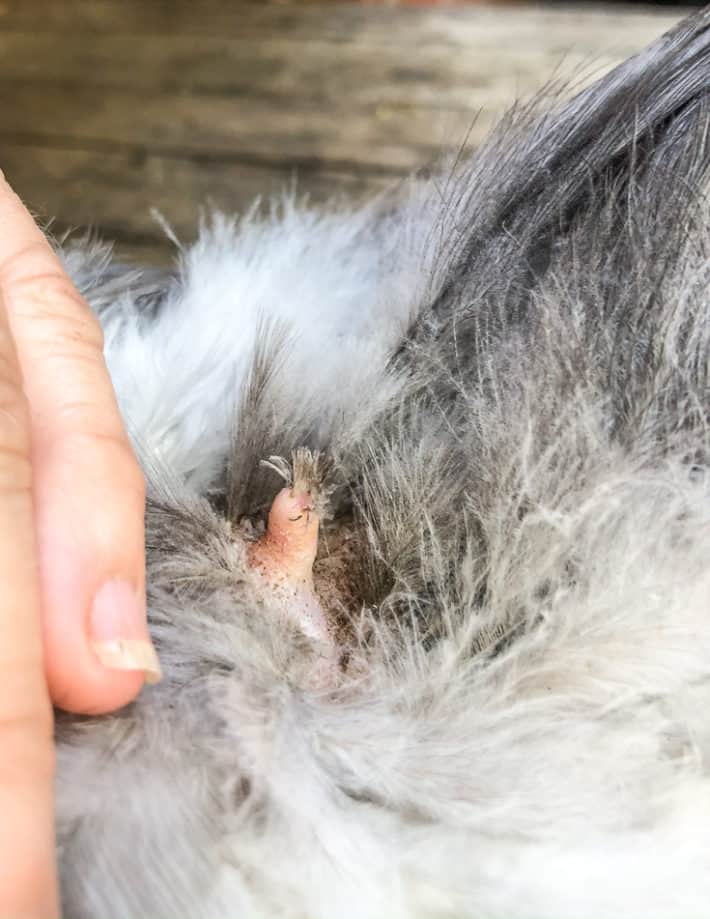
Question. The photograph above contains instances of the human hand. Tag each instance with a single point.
(87, 487)
(72, 609)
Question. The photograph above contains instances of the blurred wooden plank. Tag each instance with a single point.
(111, 107)
(277, 131)
(115, 192)
(487, 75)
(457, 26)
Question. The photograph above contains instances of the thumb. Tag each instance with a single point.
(88, 488)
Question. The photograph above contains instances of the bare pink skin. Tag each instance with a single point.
(285, 555)
(290, 544)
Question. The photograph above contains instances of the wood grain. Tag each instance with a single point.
(111, 107)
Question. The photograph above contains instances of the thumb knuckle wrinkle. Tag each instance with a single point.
(15, 461)
(44, 296)
(55, 311)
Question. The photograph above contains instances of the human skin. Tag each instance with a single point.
(72, 608)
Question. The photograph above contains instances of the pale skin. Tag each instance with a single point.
(290, 543)
(72, 613)
(284, 556)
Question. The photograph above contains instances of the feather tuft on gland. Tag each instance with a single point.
(307, 473)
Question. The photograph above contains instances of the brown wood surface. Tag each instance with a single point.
(113, 107)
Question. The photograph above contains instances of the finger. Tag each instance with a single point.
(88, 489)
(27, 874)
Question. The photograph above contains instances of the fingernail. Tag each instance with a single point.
(119, 633)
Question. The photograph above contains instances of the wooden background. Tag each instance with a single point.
(112, 107)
